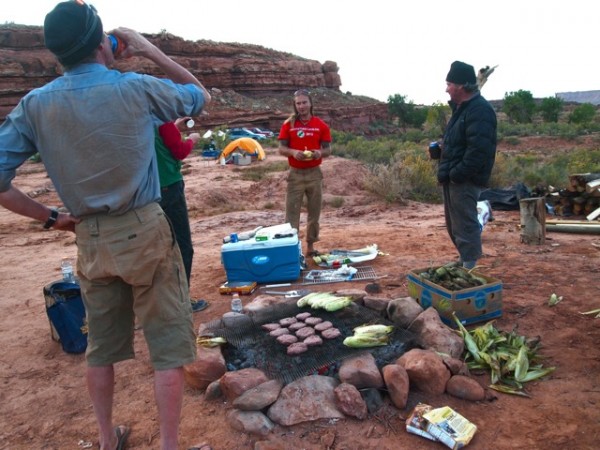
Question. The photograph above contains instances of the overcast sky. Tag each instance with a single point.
(386, 47)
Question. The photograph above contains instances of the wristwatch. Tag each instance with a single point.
(52, 219)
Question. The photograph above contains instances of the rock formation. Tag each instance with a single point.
(251, 85)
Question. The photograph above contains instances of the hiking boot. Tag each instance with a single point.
(199, 305)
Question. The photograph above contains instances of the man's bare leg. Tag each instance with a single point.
(101, 387)
(168, 390)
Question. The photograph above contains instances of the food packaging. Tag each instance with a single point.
(441, 424)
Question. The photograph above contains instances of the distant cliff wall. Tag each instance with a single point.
(250, 84)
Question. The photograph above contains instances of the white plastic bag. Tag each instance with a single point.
(484, 212)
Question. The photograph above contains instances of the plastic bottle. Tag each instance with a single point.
(236, 303)
(66, 267)
(340, 262)
(190, 123)
(116, 45)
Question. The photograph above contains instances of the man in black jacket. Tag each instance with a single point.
(468, 155)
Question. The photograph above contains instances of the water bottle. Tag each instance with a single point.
(236, 303)
(67, 271)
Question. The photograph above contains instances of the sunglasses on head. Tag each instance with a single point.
(302, 92)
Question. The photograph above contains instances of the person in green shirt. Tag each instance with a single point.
(171, 149)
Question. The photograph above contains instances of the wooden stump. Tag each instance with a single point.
(533, 221)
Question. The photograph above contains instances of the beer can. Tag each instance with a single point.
(434, 150)
(116, 45)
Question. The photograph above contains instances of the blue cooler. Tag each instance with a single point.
(267, 261)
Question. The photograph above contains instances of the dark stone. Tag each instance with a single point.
(372, 398)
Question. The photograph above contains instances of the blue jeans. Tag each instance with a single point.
(175, 207)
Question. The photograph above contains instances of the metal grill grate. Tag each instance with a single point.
(251, 346)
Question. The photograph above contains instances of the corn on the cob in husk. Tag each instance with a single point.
(373, 329)
(302, 302)
(321, 300)
(324, 300)
(369, 336)
(338, 303)
(453, 277)
(365, 340)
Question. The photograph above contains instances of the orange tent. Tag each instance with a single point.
(247, 145)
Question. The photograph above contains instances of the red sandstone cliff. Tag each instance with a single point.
(250, 85)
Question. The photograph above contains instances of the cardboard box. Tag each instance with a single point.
(477, 304)
(265, 261)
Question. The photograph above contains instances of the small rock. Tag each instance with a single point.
(373, 288)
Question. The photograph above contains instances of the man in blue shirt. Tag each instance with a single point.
(94, 129)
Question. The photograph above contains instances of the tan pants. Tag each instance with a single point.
(130, 266)
(303, 182)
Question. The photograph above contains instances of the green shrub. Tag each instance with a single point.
(519, 106)
(550, 108)
(385, 182)
(407, 113)
(400, 168)
(438, 116)
(409, 175)
(583, 114)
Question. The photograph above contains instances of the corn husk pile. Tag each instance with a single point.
(512, 360)
(452, 277)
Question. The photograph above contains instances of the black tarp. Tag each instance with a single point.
(506, 199)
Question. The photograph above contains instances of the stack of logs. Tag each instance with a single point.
(580, 198)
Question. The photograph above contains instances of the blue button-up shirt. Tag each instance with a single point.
(94, 130)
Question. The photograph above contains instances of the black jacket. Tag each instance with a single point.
(469, 147)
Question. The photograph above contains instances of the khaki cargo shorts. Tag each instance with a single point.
(130, 267)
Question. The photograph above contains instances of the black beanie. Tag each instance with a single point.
(461, 73)
(72, 31)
